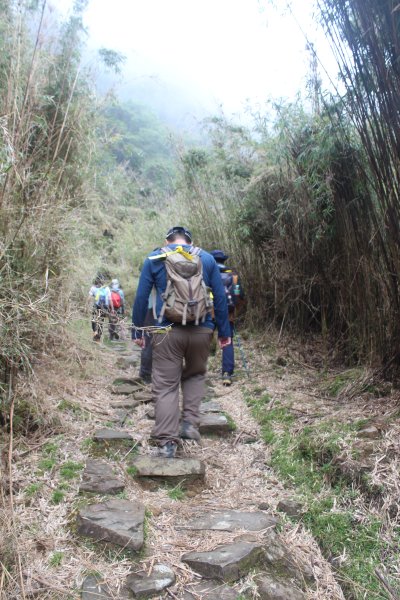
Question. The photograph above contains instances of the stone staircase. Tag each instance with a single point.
(213, 570)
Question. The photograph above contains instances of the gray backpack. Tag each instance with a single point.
(186, 297)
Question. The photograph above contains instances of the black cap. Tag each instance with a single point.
(219, 255)
(180, 231)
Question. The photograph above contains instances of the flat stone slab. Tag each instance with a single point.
(151, 413)
(146, 586)
(99, 478)
(229, 562)
(169, 468)
(210, 590)
(125, 389)
(125, 403)
(231, 520)
(124, 362)
(92, 589)
(371, 432)
(143, 396)
(292, 508)
(270, 587)
(119, 416)
(116, 521)
(210, 407)
(108, 435)
(214, 423)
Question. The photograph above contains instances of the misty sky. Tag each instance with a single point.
(216, 52)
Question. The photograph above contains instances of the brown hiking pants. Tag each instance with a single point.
(179, 358)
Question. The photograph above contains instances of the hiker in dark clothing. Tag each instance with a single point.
(181, 345)
(234, 295)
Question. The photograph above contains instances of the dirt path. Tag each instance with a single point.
(55, 559)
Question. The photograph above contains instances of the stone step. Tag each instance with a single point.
(210, 407)
(143, 396)
(228, 563)
(125, 389)
(99, 478)
(143, 585)
(93, 589)
(120, 415)
(125, 362)
(176, 470)
(273, 587)
(111, 435)
(125, 403)
(117, 522)
(231, 520)
(215, 423)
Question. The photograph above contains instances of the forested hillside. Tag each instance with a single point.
(305, 199)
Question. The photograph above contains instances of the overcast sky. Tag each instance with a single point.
(219, 52)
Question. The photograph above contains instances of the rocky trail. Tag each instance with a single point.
(97, 515)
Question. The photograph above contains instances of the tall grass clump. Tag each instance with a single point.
(46, 111)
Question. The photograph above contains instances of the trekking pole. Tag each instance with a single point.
(242, 354)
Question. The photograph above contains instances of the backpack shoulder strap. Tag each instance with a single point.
(154, 301)
(163, 254)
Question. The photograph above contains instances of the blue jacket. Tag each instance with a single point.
(154, 274)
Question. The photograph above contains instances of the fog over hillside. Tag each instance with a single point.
(188, 59)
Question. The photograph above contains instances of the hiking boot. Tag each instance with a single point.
(226, 379)
(168, 450)
(189, 431)
(96, 337)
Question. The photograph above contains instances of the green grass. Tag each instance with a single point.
(231, 422)
(75, 408)
(146, 526)
(70, 470)
(46, 464)
(122, 495)
(32, 489)
(306, 461)
(50, 449)
(132, 471)
(56, 559)
(88, 444)
(176, 493)
(57, 497)
(333, 386)
(268, 417)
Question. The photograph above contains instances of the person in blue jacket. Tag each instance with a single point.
(180, 352)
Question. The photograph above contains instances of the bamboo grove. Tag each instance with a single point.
(309, 205)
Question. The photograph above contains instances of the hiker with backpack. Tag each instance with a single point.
(117, 309)
(183, 277)
(101, 295)
(234, 295)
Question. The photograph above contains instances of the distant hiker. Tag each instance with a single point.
(117, 309)
(101, 306)
(180, 273)
(234, 294)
